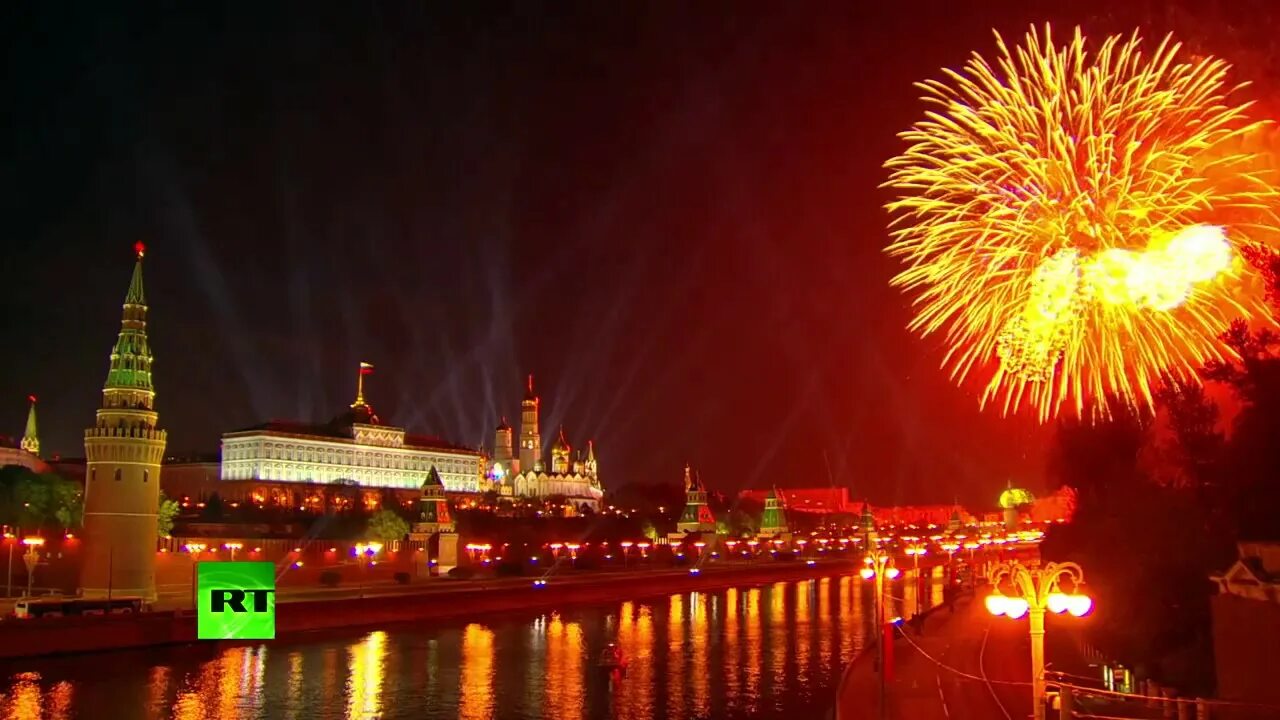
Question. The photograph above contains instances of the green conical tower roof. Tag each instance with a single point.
(433, 486)
(131, 357)
(773, 519)
(31, 436)
(135, 295)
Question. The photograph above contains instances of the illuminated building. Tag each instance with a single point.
(123, 451)
(435, 528)
(25, 452)
(773, 521)
(697, 515)
(578, 481)
(435, 516)
(1011, 501)
(355, 448)
(30, 436)
(827, 500)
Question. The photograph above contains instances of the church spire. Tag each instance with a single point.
(31, 437)
(130, 371)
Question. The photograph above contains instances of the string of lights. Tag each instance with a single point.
(1081, 689)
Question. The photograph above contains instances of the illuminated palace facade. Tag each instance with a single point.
(525, 475)
(355, 448)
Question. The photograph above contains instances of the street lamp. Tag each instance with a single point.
(31, 557)
(915, 552)
(194, 550)
(366, 552)
(1036, 589)
(12, 540)
(878, 565)
(233, 547)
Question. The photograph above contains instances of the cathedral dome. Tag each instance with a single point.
(502, 424)
(562, 445)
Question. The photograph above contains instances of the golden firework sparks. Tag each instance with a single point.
(1071, 222)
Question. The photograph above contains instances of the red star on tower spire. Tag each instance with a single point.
(140, 249)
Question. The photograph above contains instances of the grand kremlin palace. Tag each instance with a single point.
(352, 458)
(356, 458)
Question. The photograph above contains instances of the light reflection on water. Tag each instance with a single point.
(775, 650)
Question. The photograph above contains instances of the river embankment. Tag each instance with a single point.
(441, 601)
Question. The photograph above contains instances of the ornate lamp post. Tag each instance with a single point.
(879, 565)
(31, 557)
(1034, 590)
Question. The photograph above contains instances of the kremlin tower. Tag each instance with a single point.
(30, 436)
(697, 517)
(773, 521)
(123, 451)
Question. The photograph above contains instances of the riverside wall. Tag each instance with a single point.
(442, 602)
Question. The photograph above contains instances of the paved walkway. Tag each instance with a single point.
(860, 693)
(964, 665)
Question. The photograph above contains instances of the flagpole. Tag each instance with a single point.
(365, 369)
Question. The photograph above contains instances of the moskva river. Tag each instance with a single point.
(767, 651)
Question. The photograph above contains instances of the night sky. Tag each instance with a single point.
(670, 216)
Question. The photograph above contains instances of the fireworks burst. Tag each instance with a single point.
(1072, 224)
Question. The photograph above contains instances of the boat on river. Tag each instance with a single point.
(612, 658)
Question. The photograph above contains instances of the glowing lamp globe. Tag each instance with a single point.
(1057, 603)
(996, 604)
(1079, 605)
(893, 573)
(1016, 608)
(867, 573)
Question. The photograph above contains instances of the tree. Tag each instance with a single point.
(742, 521)
(166, 511)
(387, 526)
(1144, 485)
(1251, 459)
(31, 500)
(68, 502)
(213, 510)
